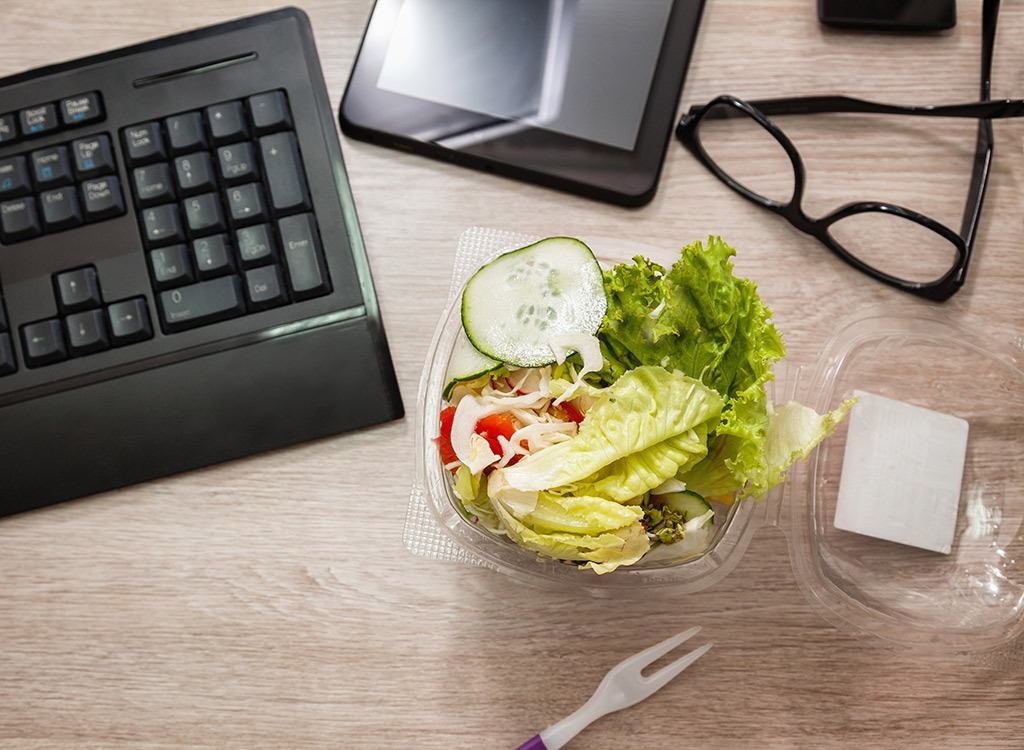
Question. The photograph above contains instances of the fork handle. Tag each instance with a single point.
(534, 743)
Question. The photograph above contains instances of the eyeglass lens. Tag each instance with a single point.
(895, 245)
(747, 153)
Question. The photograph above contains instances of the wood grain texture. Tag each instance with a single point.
(270, 602)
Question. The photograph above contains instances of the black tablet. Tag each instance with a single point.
(579, 95)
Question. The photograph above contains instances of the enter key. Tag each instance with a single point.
(300, 241)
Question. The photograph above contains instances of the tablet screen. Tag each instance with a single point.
(576, 94)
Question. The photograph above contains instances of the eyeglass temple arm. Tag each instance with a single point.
(989, 18)
(983, 154)
(805, 105)
(985, 109)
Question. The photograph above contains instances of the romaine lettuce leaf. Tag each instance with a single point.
(699, 317)
(752, 462)
(641, 431)
(604, 551)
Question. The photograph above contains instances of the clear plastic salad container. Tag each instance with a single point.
(943, 576)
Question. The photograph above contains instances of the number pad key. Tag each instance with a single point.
(204, 214)
(202, 303)
(171, 266)
(228, 122)
(213, 256)
(162, 225)
(145, 143)
(264, 288)
(185, 133)
(153, 184)
(255, 245)
(226, 211)
(246, 204)
(237, 163)
(303, 255)
(195, 173)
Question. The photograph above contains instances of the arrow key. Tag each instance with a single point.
(77, 289)
(87, 332)
(43, 342)
(129, 321)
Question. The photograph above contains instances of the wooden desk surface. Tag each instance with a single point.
(270, 603)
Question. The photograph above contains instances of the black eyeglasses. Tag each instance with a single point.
(901, 247)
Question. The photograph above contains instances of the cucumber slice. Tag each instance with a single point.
(513, 306)
(688, 504)
(466, 363)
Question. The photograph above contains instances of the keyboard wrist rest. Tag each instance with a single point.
(138, 429)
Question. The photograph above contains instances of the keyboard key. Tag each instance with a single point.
(3, 316)
(162, 225)
(87, 332)
(300, 242)
(194, 173)
(204, 214)
(43, 342)
(51, 167)
(171, 266)
(144, 143)
(153, 184)
(81, 109)
(93, 157)
(246, 204)
(202, 303)
(7, 362)
(255, 245)
(285, 179)
(77, 289)
(19, 220)
(38, 120)
(264, 288)
(129, 321)
(213, 256)
(61, 209)
(237, 163)
(14, 177)
(102, 198)
(270, 112)
(227, 122)
(185, 132)
(8, 129)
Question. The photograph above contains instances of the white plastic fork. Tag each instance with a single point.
(625, 685)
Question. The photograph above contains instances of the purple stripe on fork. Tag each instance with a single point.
(534, 743)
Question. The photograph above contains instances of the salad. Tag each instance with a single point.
(603, 417)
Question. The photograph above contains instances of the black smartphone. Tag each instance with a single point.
(894, 15)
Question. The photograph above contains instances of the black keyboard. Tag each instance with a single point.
(182, 277)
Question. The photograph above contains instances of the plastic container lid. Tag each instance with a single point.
(936, 451)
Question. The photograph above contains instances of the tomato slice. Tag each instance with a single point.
(490, 428)
(494, 426)
(444, 440)
(572, 411)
